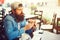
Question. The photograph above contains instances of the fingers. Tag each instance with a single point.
(28, 26)
(31, 21)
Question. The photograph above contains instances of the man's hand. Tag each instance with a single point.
(34, 22)
(28, 26)
(31, 24)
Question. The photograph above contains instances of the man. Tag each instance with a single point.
(15, 24)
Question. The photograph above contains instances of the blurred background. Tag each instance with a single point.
(49, 7)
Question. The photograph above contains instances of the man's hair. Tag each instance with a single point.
(16, 5)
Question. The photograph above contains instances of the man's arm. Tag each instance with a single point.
(30, 31)
(10, 30)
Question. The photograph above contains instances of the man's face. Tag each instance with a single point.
(19, 14)
(19, 10)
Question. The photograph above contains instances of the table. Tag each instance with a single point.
(45, 36)
(30, 16)
(36, 35)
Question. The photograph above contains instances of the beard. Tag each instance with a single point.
(19, 17)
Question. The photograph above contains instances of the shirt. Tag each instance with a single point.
(18, 26)
(11, 27)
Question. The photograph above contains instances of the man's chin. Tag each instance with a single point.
(19, 17)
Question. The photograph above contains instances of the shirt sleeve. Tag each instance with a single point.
(10, 30)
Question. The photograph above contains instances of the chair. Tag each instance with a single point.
(50, 27)
(39, 13)
(54, 21)
(58, 26)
